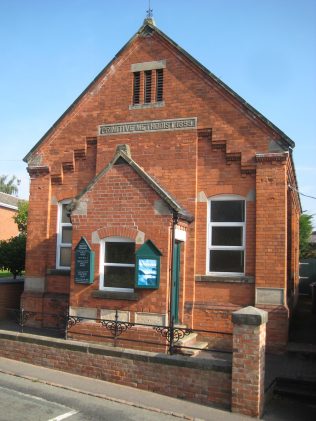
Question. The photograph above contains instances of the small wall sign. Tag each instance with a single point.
(84, 263)
(148, 266)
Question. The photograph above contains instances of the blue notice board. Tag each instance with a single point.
(147, 266)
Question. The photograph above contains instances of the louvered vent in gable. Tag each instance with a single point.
(136, 88)
(147, 86)
(159, 85)
(148, 81)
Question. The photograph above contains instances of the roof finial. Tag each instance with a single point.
(149, 15)
(149, 12)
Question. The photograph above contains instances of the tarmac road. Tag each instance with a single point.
(23, 399)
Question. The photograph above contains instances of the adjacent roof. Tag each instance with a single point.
(149, 27)
(9, 201)
(123, 154)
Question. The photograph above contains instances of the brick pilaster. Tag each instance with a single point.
(271, 223)
(249, 339)
(38, 222)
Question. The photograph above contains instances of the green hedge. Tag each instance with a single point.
(12, 254)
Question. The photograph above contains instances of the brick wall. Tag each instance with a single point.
(8, 227)
(10, 294)
(203, 382)
(236, 384)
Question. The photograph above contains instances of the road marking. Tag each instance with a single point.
(64, 416)
(28, 395)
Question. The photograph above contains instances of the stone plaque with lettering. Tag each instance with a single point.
(84, 262)
(148, 126)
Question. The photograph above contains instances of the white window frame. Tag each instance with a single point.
(61, 225)
(113, 239)
(210, 224)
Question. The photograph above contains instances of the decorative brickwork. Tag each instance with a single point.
(227, 151)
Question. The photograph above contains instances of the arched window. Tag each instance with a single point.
(64, 236)
(117, 264)
(226, 235)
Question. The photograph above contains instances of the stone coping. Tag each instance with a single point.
(214, 364)
(115, 295)
(11, 281)
(58, 272)
(250, 316)
(225, 279)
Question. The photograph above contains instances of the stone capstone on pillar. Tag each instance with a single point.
(250, 316)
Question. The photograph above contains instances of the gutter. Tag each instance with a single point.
(4, 205)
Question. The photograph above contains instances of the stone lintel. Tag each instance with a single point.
(272, 156)
(225, 279)
(38, 171)
(250, 316)
(58, 272)
(148, 65)
(115, 295)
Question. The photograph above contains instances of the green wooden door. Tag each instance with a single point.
(175, 282)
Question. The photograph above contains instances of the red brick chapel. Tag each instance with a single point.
(175, 188)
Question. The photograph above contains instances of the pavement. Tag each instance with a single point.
(298, 363)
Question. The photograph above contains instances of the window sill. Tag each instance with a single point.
(149, 105)
(115, 295)
(58, 272)
(226, 279)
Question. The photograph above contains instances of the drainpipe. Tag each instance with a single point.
(70, 208)
(175, 219)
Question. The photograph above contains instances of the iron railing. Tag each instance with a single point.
(63, 323)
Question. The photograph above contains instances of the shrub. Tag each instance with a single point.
(306, 228)
(12, 254)
(21, 217)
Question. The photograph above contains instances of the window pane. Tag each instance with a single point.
(65, 256)
(227, 236)
(119, 252)
(119, 277)
(227, 261)
(66, 235)
(65, 212)
(227, 211)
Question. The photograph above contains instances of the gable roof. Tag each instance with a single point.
(149, 27)
(123, 154)
(9, 201)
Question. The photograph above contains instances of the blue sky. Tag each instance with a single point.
(264, 50)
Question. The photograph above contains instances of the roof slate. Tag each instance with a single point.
(7, 200)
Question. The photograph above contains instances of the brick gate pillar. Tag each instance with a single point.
(249, 340)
